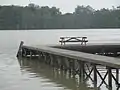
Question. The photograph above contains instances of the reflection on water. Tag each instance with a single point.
(61, 78)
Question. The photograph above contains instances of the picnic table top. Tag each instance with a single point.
(62, 37)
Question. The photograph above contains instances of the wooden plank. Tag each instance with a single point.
(96, 59)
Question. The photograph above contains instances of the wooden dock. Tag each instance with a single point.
(76, 62)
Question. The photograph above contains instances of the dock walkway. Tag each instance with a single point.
(97, 59)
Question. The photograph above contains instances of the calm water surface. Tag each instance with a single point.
(31, 75)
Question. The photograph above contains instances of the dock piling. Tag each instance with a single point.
(110, 78)
(20, 49)
(95, 75)
(117, 75)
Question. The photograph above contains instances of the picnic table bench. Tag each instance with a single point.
(83, 40)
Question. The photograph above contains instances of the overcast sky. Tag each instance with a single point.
(65, 5)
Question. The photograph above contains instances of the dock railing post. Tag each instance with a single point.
(20, 48)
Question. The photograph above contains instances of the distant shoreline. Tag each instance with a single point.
(58, 29)
(43, 17)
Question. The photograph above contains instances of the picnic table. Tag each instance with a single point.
(82, 40)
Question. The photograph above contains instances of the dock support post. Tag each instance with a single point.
(20, 49)
(39, 57)
(110, 78)
(25, 52)
(54, 60)
(117, 75)
(61, 63)
(70, 63)
(51, 60)
(82, 75)
(45, 57)
(66, 63)
(48, 58)
(73, 68)
(95, 75)
(30, 54)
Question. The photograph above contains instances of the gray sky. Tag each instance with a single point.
(65, 5)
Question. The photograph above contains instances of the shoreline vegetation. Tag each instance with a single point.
(35, 17)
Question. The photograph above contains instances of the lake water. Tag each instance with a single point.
(31, 75)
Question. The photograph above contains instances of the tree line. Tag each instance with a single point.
(36, 17)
